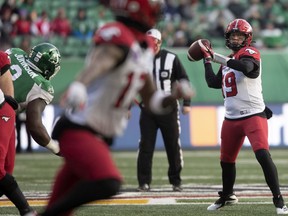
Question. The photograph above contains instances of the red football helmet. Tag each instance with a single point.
(144, 12)
(242, 26)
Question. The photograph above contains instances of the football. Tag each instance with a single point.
(194, 51)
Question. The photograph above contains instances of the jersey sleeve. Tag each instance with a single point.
(43, 91)
(250, 52)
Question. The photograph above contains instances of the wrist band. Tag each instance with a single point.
(221, 59)
(53, 146)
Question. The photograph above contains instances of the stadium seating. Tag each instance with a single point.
(96, 14)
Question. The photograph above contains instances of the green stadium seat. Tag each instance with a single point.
(36, 40)
(71, 13)
(39, 6)
(74, 47)
(57, 41)
(76, 4)
(57, 4)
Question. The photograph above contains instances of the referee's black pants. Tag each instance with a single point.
(169, 125)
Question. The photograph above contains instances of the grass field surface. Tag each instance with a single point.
(201, 181)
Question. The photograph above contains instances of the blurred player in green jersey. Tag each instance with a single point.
(31, 74)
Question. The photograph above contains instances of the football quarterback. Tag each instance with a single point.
(246, 115)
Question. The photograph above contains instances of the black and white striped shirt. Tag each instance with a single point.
(167, 70)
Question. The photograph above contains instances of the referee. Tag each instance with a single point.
(167, 70)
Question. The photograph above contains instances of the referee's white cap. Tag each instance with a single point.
(155, 33)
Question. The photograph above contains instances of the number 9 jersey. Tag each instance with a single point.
(242, 95)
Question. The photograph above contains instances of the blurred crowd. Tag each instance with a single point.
(188, 20)
(73, 22)
(23, 22)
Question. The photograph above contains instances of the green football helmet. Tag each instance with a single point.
(44, 59)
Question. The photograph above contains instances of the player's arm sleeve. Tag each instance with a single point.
(213, 80)
(247, 65)
(38, 93)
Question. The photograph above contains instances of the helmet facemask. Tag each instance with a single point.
(237, 46)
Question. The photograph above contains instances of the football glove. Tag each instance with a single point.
(53, 146)
(210, 55)
(268, 112)
(206, 49)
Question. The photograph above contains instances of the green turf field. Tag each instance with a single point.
(201, 181)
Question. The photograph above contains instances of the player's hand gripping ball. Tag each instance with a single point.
(194, 52)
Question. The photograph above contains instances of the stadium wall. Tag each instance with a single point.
(201, 128)
(274, 77)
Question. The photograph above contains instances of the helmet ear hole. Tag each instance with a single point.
(46, 73)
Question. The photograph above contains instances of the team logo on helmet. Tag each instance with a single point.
(55, 58)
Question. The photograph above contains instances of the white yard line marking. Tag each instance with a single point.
(192, 195)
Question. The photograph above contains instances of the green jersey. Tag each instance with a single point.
(28, 85)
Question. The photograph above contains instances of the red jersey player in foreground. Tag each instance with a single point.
(246, 115)
(8, 184)
(117, 69)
